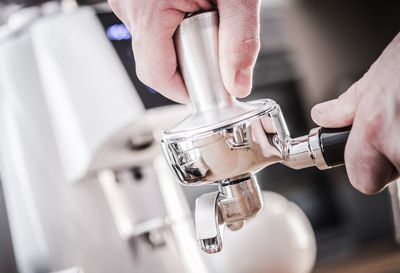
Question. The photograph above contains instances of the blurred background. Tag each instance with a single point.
(311, 51)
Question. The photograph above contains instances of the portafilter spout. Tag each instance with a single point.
(225, 141)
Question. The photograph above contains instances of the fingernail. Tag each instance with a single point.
(243, 80)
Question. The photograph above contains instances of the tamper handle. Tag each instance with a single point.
(196, 44)
(333, 142)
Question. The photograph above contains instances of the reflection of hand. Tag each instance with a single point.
(153, 23)
(372, 105)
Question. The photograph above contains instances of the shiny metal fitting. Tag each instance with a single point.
(237, 200)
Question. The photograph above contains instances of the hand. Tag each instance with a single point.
(372, 105)
(153, 23)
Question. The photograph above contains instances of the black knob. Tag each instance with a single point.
(333, 142)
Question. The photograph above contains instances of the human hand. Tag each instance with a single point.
(372, 105)
(153, 23)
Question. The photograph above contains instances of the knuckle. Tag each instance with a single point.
(373, 124)
(373, 127)
(367, 188)
(363, 181)
(250, 46)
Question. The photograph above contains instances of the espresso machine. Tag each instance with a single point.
(86, 184)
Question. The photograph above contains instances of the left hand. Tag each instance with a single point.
(372, 105)
(154, 22)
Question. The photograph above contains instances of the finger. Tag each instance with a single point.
(154, 51)
(339, 112)
(156, 67)
(369, 171)
(367, 166)
(239, 43)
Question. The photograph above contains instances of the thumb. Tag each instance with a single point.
(239, 41)
(339, 112)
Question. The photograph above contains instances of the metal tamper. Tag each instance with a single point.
(225, 141)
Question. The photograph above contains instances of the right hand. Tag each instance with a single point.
(372, 106)
(153, 23)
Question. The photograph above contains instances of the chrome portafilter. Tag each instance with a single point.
(225, 141)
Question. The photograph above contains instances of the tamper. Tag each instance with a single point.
(225, 141)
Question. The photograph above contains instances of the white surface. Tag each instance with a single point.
(87, 90)
(278, 240)
(20, 97)
(71, 270)
(63, 94)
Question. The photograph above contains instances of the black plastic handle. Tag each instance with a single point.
(333, 141)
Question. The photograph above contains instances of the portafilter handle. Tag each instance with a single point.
(333, 142)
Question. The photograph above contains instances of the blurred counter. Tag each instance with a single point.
(382, 257)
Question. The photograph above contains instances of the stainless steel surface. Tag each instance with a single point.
(225, 141)
(205, 87)
(314, 144)
(305, 151)
(207, 222)
(299, 153)
(239, 201)
(213, 153)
